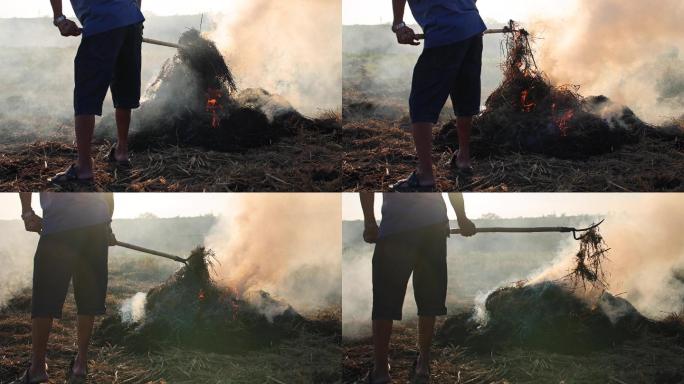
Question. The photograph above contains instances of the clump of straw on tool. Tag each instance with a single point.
(589, 261)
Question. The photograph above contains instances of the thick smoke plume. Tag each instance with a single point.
(646, 260)
(630, 51)
(291, 48)
(286, 244)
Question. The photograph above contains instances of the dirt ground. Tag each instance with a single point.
(308, 161)
(378, 146)
(648, 360)
(377, 153)
(309, 358)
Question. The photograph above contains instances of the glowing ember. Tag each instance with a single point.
(200, 296)
(527, 106)
(563, 121)
(213, 105)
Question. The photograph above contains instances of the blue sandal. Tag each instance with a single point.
(411, 184)
(69, 176)
(111, 158)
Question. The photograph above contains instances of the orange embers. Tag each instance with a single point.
(213, 105)
(527, 105)
(200, 295)
(562, 121)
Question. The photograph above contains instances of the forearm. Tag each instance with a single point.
(458, 204)
(25, 198)
(56, 7)
(368, 206)
(398, 6)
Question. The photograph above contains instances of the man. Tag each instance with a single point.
(450, 64)
(108, 57)
(74, 238)
(411, 239)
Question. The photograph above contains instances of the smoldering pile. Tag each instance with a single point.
(548, 316)
(572, 315)
(191, 310)
(194, 101)
(527, 113)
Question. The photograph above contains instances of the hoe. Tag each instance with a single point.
(575, 231)
(510, 28)
(152, 252)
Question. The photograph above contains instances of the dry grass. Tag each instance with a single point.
(378, 153)
(312, 357)
(651, 359)
(309, 161)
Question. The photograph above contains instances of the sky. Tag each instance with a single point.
(380, 11)
(132, 205)
(512, 205)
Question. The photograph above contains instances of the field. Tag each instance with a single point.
(379, 150)
(36, 128)
(312, 355)
(476, 266)
(648, 360)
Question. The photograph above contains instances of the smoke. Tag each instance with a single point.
(646, 256)
(291, 48)
(16, 255)
(628, 50)
(133, 309)
(286, 244)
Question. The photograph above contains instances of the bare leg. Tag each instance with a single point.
(464, 126)
(382, 331)
(85, 125)
(426, 329)
(123, 123)
(40, 333)
(422, 136)
(85, 330)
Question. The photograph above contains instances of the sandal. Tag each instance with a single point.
(368, 379)
(411, 184)
(69, 176)
(463, 171)
(111, 158)
(25, 379)
(415, 378)
(73, 378)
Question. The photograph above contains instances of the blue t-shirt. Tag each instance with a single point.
(66, 211)
(447, 21)
(97, 16)
(402, 212)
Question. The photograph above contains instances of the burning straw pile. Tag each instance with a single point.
(527, 113)
(547, 316)
(558, 316)
(190, 310)
(194, 101)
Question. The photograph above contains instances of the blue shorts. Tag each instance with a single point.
(104, 60)
(442, 71)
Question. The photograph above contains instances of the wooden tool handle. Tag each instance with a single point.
(151, 252)
(159, 42)
(421, 36)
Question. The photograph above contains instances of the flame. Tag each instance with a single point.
(213, 106)
(563, 121)
(526, 106)
(200, 295)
